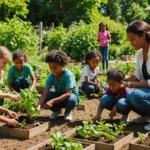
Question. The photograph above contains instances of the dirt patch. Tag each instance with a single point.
(10, 143)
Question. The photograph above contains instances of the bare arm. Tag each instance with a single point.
(132, 78)
(11, 87)
(90, 82)
(33, 81)
(43, 98)
(143, 84)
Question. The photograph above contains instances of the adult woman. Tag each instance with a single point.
(138, 100)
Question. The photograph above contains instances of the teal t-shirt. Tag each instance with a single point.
(13, 73)
(67, 82)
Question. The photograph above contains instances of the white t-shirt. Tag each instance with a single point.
(86, 72)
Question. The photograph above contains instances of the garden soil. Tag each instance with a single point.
(11, 143)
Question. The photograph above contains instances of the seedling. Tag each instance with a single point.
(141, 136)
(22, 124)
(62, 142)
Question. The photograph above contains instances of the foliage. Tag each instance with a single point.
(11, 8)
(28, 104)
(62, 142)
(142, 137)
(18, 34)
(22, 124)
(100, 130)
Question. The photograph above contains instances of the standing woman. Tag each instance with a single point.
(104, 38)
(138, 100)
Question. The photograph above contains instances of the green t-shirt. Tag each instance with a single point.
(13, 73)
(67, 82)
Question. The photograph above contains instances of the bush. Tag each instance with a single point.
(17, 34)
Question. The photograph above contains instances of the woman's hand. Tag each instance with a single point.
(12, 122)
(124, 85)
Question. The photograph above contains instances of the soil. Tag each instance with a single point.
(31, 124)
(11, 143)
(146, 142)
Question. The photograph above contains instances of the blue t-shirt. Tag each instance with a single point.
(14, 74)
(61, 86)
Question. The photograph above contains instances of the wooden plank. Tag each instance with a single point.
(102, 145)
(24, 133)
(134, 146)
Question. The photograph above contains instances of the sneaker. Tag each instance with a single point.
(141, 119)
(68, 116)
(54, 115)
(147, 127)
(125, 118)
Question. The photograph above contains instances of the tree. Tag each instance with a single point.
(11, 8)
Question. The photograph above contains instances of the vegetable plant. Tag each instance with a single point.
(141, 136)
(27, 104)
(22, 124)
(62, 142)
(101, 129)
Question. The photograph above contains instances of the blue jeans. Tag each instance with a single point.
(69, 103)
(104, 50)
(21, 84)
(108, 102)
(137, 100)
(1, 102)
(88, 88)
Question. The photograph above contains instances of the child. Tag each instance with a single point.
(104, 39)
(88, 82)
(5, 57)
(18, 74)
(113, 94)
(66, 93)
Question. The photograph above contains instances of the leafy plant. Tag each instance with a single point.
(22, 124)
(141, 136)
(62, 142)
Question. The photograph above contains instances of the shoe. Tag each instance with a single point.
(54, 115)
(141, 119)
(147, 127)
(125, 118)
(68, 116)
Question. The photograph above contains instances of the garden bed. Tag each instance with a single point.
(137, 145)
(27, 131)
(103, 145)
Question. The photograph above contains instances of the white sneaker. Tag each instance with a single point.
(147, 127)
(68, 116)
(141, 119)
(54, 115)
(125, 118)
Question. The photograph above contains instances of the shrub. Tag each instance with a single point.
(18, 34)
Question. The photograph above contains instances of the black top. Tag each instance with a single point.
(144, 71)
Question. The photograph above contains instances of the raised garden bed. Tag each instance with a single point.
(27, 131)
(137, 145)
(104, 145)
(46, 145)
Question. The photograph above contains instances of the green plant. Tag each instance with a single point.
(62, 142)
(22, 124)
(141, 136)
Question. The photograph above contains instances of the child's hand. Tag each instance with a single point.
(15, 98)
(48, 105)
(98, 85)
(113, 112)
(96, 118)
(11, 114)
(39, 107)
(12, 122)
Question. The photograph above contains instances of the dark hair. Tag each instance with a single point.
(92, 54)
(18, 54)
(57, 56)
(115, 74)
(102, 23)
(139, 27)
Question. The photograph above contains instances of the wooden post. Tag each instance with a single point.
(41, 27)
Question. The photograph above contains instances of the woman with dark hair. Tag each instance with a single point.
(138, 100)
(104, 38)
